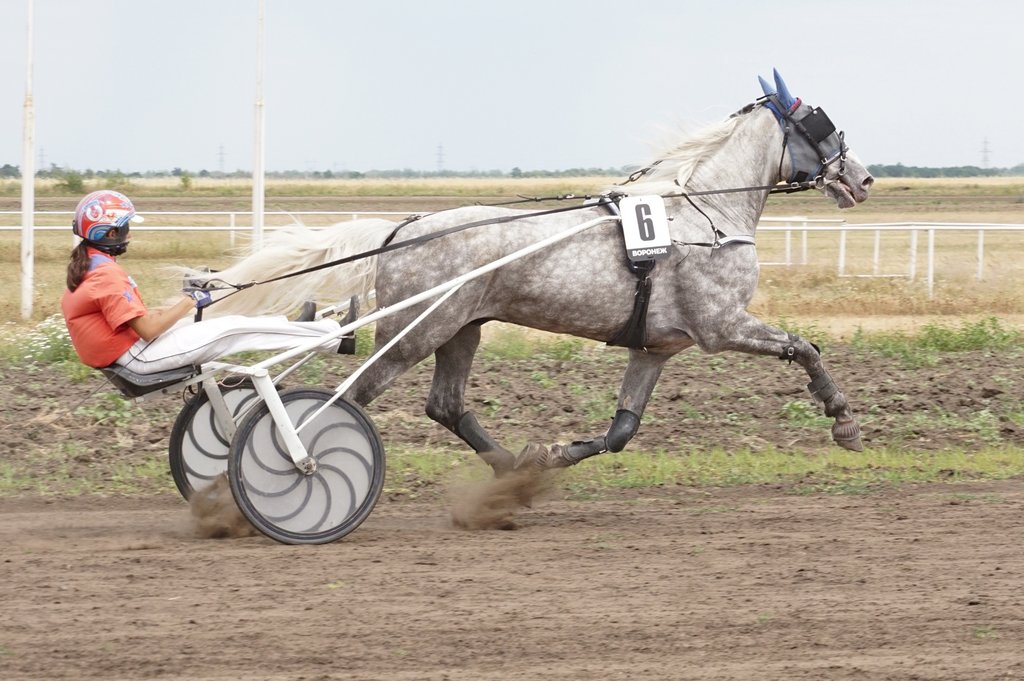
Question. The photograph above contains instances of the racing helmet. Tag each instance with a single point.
(102, 218)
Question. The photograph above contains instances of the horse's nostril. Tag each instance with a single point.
(868, 181)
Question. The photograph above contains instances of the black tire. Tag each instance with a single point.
(293, 508)
(197, 450)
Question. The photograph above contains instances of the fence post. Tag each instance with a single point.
(877, 253)
(231, 232)
(842, 252)
(789, 248)
(803, 244)
(931, 263)
(981, 254)
(912, 274)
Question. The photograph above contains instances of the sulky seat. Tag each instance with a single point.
(132, 384)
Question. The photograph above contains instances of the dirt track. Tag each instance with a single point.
(923, 583)
(916, 582)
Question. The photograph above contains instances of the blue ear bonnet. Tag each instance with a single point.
(817, 143)
(781, 94)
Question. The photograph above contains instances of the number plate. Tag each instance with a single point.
(645, 227)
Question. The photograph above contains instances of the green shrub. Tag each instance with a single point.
(809, 331)
(112, 410)
(922, 348)
(47, 343)
(70, 181)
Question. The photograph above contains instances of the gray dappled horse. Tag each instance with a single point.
(583, 286)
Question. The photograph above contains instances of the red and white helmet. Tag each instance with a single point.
(102, 218)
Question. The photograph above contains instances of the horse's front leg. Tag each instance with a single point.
(755, 337)
(637, 385)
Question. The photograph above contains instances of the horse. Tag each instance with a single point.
(713, 185)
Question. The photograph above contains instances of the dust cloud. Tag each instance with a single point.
(491, 504)
(215, 514)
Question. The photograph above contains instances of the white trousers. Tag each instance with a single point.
(193, 343)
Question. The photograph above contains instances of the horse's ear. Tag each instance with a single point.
(785, 98)
(766, 87)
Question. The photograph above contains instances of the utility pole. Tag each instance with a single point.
(258, 179)
(28, 186)
(984, 153)
(440, 158)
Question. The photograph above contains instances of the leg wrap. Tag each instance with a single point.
(579, 450)
(823, 388)
(623, 428)
(483, 444)
(469, 430)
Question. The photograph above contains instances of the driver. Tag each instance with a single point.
(109, 324)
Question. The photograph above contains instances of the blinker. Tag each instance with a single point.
(817, 124)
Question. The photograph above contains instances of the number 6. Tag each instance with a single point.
(644, 222)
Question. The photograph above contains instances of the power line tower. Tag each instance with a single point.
(220, 158)
(984, 153)
(440, 158)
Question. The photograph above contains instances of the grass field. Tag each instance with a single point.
(811, 291)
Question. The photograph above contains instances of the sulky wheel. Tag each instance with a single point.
(198, 447)
(294, 508)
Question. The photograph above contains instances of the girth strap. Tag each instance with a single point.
(634, 333)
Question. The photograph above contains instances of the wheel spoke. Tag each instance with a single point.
(290, 506)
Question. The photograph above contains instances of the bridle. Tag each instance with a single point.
(817, 145)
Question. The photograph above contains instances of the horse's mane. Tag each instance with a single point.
(676, 165)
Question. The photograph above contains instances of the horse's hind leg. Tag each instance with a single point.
(407, 353)
(446, 403)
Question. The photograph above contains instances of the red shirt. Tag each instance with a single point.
(98, 311)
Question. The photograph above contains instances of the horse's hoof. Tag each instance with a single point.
(846, 434)
(535, 457)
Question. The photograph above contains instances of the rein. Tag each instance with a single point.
(779, 188)
(388, 246)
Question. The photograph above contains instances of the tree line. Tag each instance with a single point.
(900, 170)
(65, 174)
(74, 179)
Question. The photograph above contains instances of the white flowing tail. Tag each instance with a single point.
(293, 249)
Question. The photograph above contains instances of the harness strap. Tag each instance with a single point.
(634, 333)
(389, 246)
(722, 241)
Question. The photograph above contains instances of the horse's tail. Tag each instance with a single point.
(295, 248)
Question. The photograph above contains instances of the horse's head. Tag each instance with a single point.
(816, 151)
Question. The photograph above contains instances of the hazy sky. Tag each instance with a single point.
(535, 84)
